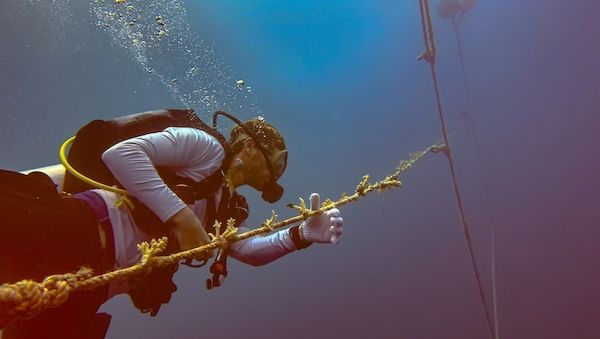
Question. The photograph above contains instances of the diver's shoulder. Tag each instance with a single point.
(192, 133)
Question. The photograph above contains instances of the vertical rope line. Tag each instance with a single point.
(430, 45)
(461, 58)
(425, 28)
(459, 45)
(460, 205)
(494, 298)
(471, 118)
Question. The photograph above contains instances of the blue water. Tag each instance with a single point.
(340, 81)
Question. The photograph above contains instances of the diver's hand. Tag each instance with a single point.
(325, 227)
(189, 231)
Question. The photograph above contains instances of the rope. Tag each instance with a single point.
(461, 57)
(27, 298)
(494, 299)
(429, 56)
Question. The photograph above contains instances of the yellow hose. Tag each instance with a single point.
(63, 160)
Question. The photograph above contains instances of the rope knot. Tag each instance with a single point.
(441, 148)
(223, 240)
(427, 56)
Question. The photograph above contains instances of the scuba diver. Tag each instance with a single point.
(181, 176)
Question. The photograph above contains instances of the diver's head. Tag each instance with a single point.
(259, 157)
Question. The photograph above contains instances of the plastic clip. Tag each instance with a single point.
(218, 270)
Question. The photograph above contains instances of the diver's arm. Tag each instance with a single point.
(325, 228)
(261, 250)
(194, 154)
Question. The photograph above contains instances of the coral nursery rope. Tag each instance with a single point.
(27, 298)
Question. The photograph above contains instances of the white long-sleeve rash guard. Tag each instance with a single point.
(192, 153)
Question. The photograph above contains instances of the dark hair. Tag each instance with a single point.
(267, 135)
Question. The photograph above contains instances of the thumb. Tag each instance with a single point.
(315, 201)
